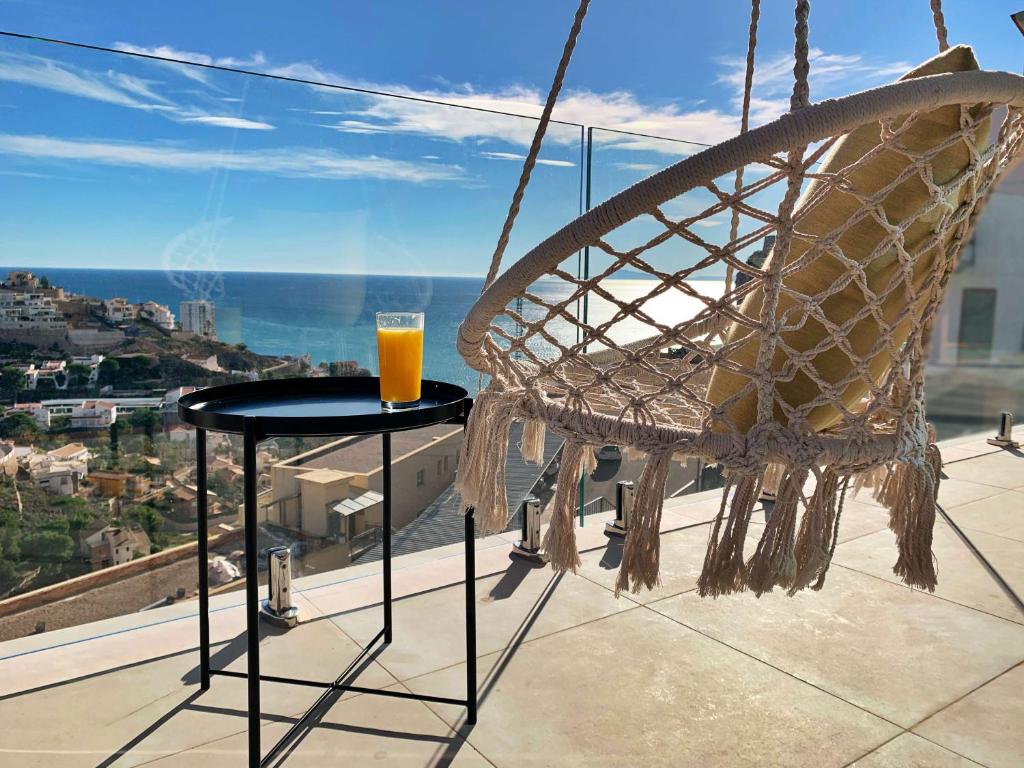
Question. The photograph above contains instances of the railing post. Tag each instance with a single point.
(528, 547)
(624, 491)
(1005, 437)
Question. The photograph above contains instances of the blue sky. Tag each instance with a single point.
(114, 161)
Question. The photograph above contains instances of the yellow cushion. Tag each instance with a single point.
(831, 213)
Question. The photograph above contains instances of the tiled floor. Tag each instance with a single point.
(865, 672)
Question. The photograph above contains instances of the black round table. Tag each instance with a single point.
(304, 408)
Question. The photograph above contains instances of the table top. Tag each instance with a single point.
(348, 405)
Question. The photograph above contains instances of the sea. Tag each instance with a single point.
(332, 316)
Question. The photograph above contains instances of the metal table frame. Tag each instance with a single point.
(254, 429)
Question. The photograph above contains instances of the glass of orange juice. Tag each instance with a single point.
(400, 354)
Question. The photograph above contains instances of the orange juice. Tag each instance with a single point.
(400, 354)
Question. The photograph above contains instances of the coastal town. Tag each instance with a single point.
(98, 478)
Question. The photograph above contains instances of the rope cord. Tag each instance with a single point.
(801, 91)
(538, 138)
(748, 84)
(940, 25)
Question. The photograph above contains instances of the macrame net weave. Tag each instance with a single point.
(796, 385)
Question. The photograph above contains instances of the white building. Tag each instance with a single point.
(199, 317)
(29, 311)
(92, 362)
(115, 545)
(37, 411)
(54, 371)
(119, 310)
(158, 314)
(60, 471)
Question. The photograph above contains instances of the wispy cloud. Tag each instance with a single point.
(225, 121)
(294, 162)
(520, 158)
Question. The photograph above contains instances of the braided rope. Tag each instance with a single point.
(940, 25)
(801, 90)
(538, 138)
(748, 85)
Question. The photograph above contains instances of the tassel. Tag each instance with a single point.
(835, 534)
(469, 477)
(482, 464)
(814, 540)
(589, 460)
(641, 552)
(532, 446)
(912, 519)
(770, 485)
(724, 571)
(774, 562)
(560, 539)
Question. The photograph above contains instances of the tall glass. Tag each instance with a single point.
(400, 354)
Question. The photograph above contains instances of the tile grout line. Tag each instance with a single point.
(957, 700)
(928, 594)
(772, 666)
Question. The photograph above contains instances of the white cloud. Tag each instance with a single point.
(643, 167)
(225, 121)
(520, 158)
(45, 73)
(294, 162)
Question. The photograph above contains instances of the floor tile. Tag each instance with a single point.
(898, 653)
(986, 725)
(639, 689)
(954, 492)
(962, 578)
(910, 751)
(682, 556)
(366, 730)
(1002, 515)
(429, 629)
(1003, 469)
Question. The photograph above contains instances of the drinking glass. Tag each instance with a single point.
(400, 354)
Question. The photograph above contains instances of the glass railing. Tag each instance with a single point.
(167, 226)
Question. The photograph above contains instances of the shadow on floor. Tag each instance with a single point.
(149, 730)
(513, 577)
(612, 556)
(234, 648)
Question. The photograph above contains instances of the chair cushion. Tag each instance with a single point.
(827, 216)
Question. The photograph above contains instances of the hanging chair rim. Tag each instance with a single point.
(753, 450)
(816, 122)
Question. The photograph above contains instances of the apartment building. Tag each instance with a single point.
(29, 311)
(119, 310)
(199, 317)
(158, 314)
(334, 492)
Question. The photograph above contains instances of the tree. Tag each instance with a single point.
(109, 369)
(44, 281)
(146, 420)
(19, 426)
(148, 518)
(12, 381)
(78, 374)
(59, 423)
(115, 439)
(51, 549)
(241, 347)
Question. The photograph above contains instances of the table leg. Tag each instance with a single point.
(252, 598)
(203, 556)
(470, 618)
(386, 462)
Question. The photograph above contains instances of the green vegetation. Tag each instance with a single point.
(12, 381)
(20, 427)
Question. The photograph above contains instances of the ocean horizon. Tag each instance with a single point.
(332, 316)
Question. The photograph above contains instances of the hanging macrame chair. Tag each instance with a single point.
(803, 380)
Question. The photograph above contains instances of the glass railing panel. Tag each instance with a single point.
(271, 219)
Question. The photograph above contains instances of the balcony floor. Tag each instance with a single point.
(865, 672)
